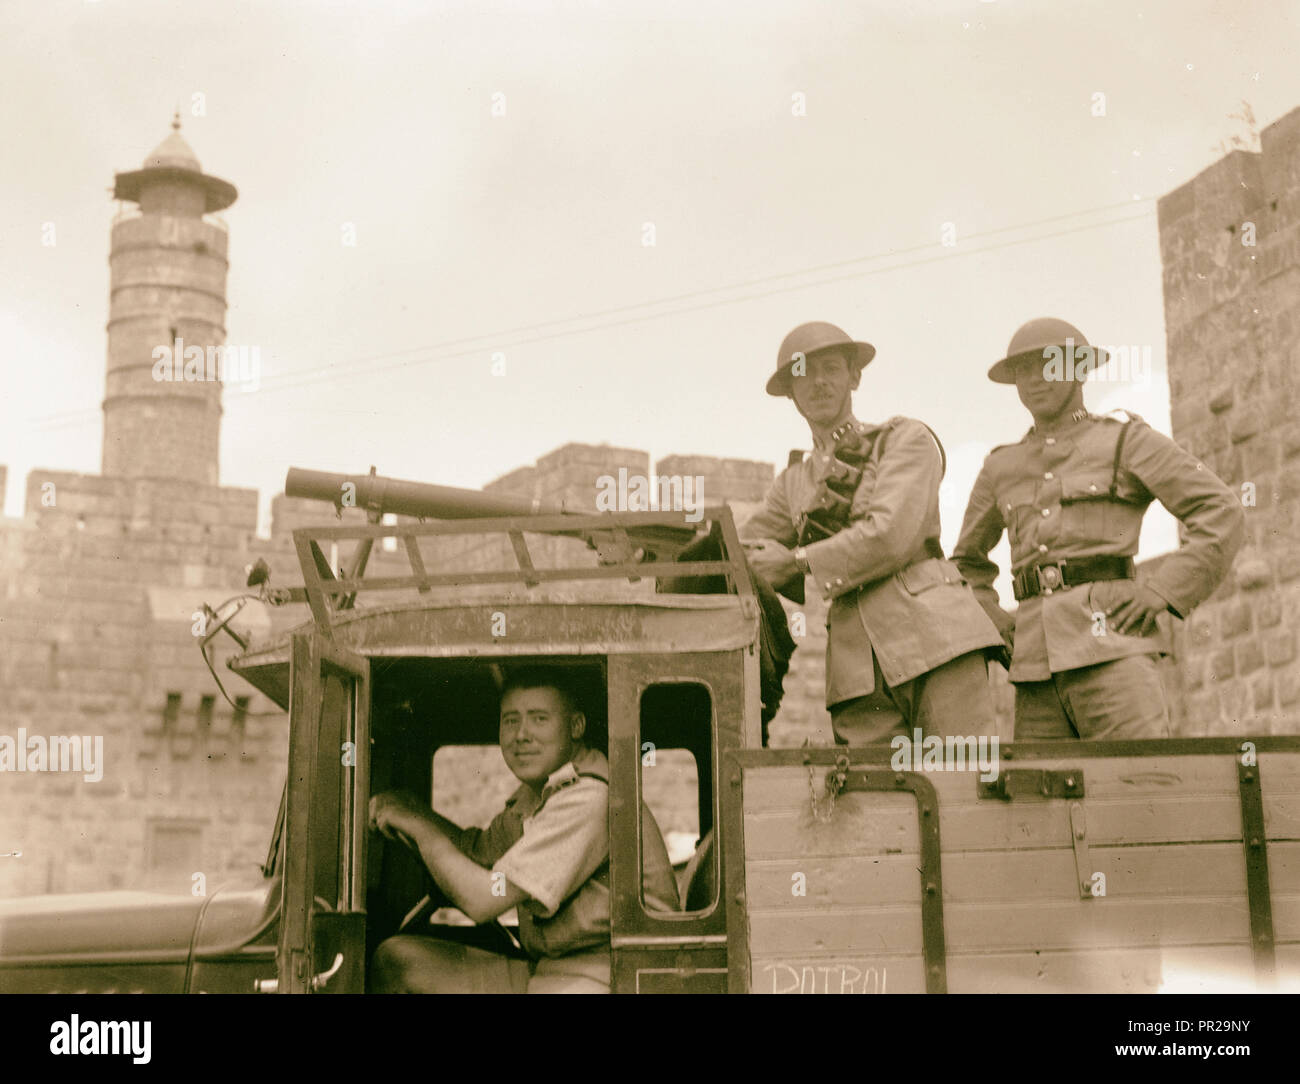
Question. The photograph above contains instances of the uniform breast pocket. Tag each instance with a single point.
(1085, 507)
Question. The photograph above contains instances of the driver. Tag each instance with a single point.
(545, 854)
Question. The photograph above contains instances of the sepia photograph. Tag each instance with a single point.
(638, 496)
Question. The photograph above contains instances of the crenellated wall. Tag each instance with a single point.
(101, 577)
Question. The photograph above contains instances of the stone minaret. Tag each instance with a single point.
(167, 282)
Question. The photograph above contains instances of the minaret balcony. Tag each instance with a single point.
(126, 211)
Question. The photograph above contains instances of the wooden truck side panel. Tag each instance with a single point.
(1166, 830)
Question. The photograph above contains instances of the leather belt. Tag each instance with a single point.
(1046, 578)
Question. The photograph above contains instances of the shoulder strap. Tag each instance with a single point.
(551, 791)
(943, 456)
(1119, 450)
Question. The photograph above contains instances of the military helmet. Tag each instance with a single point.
(1034, 339)
(808, 339)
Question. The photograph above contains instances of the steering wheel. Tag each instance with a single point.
(492, 936)
(417, 920)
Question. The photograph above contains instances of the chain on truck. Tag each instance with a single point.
(1081, 866)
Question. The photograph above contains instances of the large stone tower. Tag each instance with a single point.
(1230, 242)
(168, 283)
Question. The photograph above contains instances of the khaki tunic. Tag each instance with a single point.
(556, 848)
(890, 595)
(1052, 495)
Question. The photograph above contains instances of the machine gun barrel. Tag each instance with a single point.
(379, 495)
(375, 493)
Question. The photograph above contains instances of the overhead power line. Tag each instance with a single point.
(435, 352)
(499, 341)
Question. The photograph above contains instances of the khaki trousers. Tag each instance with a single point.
(952, 699)
(409, 964)
(1120, 699)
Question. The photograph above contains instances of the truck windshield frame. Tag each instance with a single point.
(273, 854)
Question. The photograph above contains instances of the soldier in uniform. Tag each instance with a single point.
(1072, 494)
(906, 638)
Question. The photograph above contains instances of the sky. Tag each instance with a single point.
(500, 167)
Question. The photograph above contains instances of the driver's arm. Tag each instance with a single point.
(479, 892)
(463, 838)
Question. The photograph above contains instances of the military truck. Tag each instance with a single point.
(1066, 866)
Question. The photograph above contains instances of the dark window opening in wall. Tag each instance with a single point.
(172, 712)
(206, 704)
(241, 711)
(676, 769)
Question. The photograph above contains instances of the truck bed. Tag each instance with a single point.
(918, 881)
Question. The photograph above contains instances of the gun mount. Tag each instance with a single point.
(631, 545)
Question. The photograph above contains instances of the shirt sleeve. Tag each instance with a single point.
(1212, 517)
(486, 845)
(773, 520)
(563, 844)
(981, 530)
(890, 529)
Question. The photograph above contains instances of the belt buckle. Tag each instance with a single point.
(1050, 577)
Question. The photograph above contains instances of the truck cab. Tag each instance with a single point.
(382, 694)
(1061, 867)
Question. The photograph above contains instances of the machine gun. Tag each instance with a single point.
(627, 545)
(619, 544)
(379, 496)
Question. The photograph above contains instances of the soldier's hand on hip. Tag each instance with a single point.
(771, 560)
(1130, 607)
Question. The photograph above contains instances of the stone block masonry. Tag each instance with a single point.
(1230, 246)
(100, 578)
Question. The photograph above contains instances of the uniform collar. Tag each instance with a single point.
(585, 760)
(850, 423)
(1078, 416)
